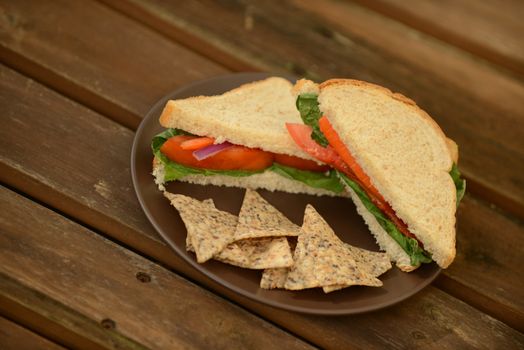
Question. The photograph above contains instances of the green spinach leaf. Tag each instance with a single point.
(328, 182)
(307, 105)
(416, 254)
(460, 183)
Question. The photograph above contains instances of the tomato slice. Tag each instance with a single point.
(299, 163)
(232, 158)
(301, 134)
(341, 149)
(197, 143)
(364, 180)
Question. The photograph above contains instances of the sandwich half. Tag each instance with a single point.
(239, 139)
(395, 161)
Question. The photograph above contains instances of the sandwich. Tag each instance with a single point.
(239, 139)
(394, 160)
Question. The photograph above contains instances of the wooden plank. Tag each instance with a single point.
(490, 29)
(21, 169)
(15, 337)
(482, 81)
(99, 280)
(98, 57)
(488, 244)
(489, 134)
(168, 310)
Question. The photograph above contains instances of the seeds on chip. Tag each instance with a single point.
(258, 218)
(258, 253)
(321, 259)
(210, 230)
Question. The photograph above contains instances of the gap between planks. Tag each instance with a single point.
(14, 336)
(485, 43)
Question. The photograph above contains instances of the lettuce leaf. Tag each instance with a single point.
(175, 171)
(307, 105)
(328, 182)
(460, 183)
(416, 254)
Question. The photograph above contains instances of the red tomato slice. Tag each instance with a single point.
(301, 134)
(299, 163)
(232, 158)
(364, 180)
(341, 149)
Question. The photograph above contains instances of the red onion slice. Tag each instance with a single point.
(211, 150)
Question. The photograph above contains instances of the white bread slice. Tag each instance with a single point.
(252, 115)
(405, 154)
(267, 180)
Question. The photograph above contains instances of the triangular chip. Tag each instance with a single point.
(321, 259)
(259, 253)
(189, 245)
(258, 219)
(274, 278)
(374, 263)
(210, 229)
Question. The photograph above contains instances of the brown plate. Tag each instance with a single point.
(340, 213)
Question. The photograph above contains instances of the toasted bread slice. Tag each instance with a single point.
(405, 154)
(252, 115)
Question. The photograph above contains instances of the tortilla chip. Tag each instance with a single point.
(259, 253)
(321, 259)
(210, 229)
(374, 263)
(274, 278)
(258, 219)
(189, 245)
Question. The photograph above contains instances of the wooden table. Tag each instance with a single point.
(80, 265)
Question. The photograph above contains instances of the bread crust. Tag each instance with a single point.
(397, 96)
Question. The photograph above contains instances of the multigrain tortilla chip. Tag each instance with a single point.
(259, 253)
(258, 219)
(210, 229)
(321, 259)
(274, 278)
(374, 263)
(189, 245)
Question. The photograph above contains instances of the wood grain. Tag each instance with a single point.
(15, 337)
(484, 82)
(98, 279)
(99, 57)
(490, 29)
(54, 186)
(489, 134)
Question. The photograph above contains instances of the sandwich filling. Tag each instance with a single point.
(183, 154)
(318, 138)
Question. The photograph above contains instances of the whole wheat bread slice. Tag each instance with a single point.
(252, 115)
(405, 154)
